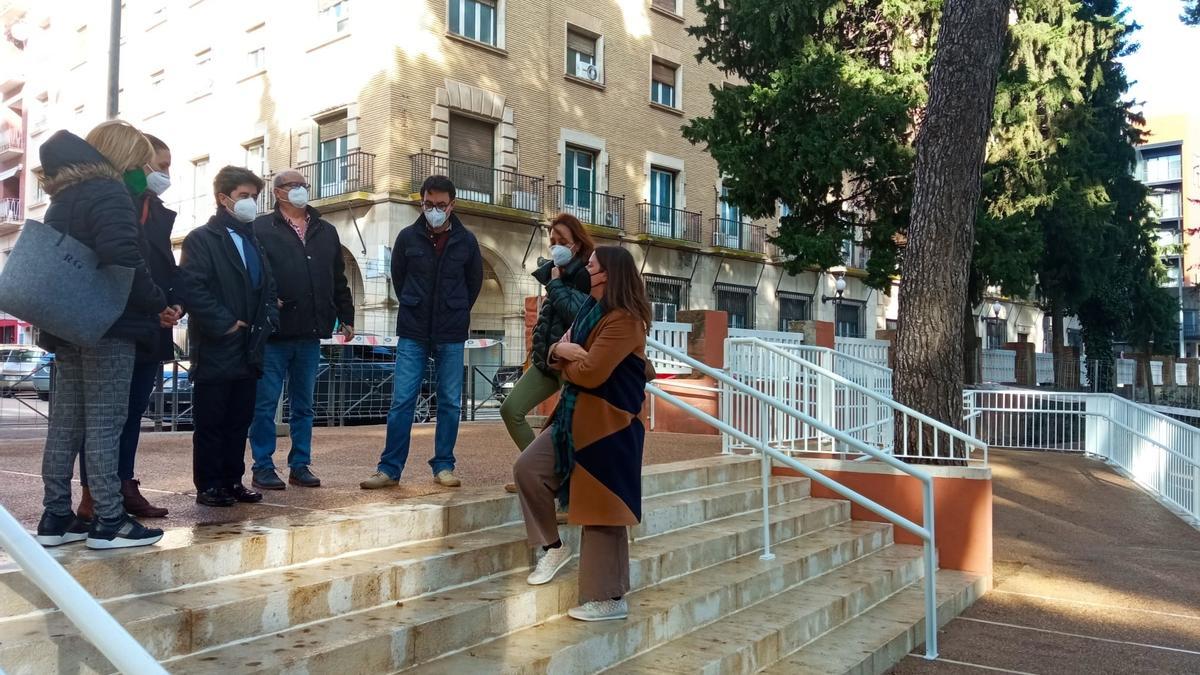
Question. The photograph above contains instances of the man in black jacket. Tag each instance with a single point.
(437, 271)
(226, 287)
(305, 256)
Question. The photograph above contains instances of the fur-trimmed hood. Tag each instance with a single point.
(69, 160)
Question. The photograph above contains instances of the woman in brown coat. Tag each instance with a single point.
(591, 456)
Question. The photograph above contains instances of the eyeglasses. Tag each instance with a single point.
(440, 205)
(292, 186)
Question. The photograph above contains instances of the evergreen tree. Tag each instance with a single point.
(823, 119)
(1191, 12)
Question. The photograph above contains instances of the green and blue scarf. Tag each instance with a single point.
(564, 441)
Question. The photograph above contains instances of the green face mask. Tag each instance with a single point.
(136, 180)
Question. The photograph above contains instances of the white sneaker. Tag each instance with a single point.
(549, 564)
(600, 610)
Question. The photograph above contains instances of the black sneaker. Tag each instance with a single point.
(267, 479)
(215, 497)
(123, 533)
(241, 494)
(55, 530)
(303, 476)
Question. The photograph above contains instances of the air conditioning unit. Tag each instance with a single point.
(592, 73)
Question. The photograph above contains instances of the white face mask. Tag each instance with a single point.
(245, 209)
(436, 218)
(298, 197)
(158, 182)
(561, 255)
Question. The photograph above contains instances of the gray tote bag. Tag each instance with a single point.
(57, 283)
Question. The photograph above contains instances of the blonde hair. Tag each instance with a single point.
(121, 144)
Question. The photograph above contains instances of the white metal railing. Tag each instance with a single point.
(1159, 453)
(92, 620)
(775, 336)
(999, 365)
(807, 380)
(770, 406)
(1045, 368)
(874, 351)
(675, 336)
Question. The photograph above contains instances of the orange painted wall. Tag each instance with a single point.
(671, 419)
(962, 512)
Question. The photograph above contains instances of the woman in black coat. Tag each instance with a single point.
(90, 201)
(567, 285)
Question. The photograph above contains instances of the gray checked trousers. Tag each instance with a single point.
(88, 408)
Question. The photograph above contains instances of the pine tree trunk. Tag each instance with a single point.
(951, 146)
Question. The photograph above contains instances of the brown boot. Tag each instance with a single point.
(136, 504)
(86, 510)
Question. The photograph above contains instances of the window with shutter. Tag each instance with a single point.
(472, 156)
(662, 83)
(581, 56)
(665, 5)
(331, 128)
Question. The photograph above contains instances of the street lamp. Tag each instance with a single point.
(996, 308)
(839, 287)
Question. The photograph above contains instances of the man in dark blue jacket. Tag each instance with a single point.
(437, 271)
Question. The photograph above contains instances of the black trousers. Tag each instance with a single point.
(221, 416)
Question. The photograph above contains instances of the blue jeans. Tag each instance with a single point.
(411, 359)
(299, 361)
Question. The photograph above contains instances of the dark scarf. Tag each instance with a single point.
(564, 441)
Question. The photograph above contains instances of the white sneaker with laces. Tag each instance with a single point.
(549, 564)
(600, 610)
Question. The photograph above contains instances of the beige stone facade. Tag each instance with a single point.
(368, 96)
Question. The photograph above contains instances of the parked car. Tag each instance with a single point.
(41, 376)
(18, 363)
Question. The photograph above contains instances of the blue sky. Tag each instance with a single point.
(1166, 67)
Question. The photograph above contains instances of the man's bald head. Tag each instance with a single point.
(288, 178)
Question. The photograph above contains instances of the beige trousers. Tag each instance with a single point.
(604, 550)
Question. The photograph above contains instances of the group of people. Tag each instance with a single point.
(261, 292)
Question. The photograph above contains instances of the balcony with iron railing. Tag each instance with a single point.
(1191, 324)
(591, 208)
(12, 144)
(12, 214)
(735, 235)
(338, 176)
(663, 222)
(481, 184)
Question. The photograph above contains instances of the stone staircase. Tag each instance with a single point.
(437, 585)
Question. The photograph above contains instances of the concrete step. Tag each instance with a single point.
(872, 643)
(663, 612)
(201, 616)
(759, 635)
(402, 634)
(202, 554)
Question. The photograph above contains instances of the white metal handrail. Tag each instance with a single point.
(92, 620)
(1157, 452)
(863, 412)
(926, 532)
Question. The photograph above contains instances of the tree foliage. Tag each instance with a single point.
(822, 120)
(1191, 12)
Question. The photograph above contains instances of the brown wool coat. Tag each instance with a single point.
(597, 424)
